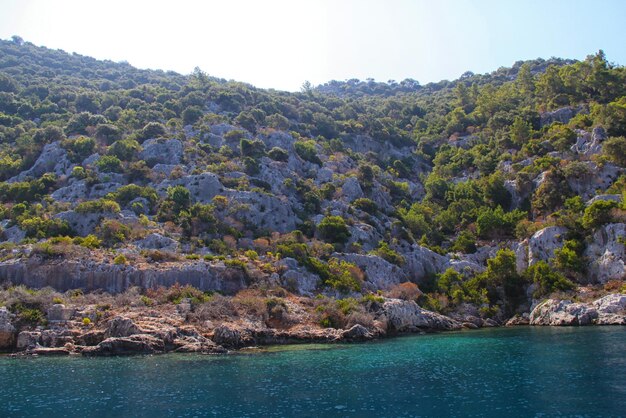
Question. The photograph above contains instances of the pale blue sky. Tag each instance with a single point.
(281, 43)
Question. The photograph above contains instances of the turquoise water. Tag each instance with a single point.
(500, 372)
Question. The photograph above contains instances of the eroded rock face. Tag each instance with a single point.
(88, 275)
(562, 115)
(157, 241)
(135, 344)
(609, 310)
(380, 274)
(408, 316)
(58, 312)
(122, 327)
(7, 330)
(53, 159)
(421, 262)
(606, 253)
(542, 244)
(159, 151)
(202, 187)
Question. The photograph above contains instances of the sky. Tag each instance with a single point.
(282, 43)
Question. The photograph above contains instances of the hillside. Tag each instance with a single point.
(478, 196)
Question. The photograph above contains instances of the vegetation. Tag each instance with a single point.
(97, 155)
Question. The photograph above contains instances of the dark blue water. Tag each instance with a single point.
(502, 373)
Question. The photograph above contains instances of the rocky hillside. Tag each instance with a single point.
(481, 195)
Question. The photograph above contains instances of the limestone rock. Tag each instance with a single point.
(58, 312)
(542, 244)
(7, 330)
(518, 320)
(122, 327)
(53, 159)
(162, 151)
(157, 241)
(380, 274)
(13, 234)
(421, 262)
(28, 339)
(351, 189)
(562, 115)
(202, 187)
(562, 312)
(606, 253)
(135, 344)
(408, 316)
(233, 337)
(357, 333)
(298, 279)
(83, 224)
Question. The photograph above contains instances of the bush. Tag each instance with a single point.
(333, 229)
(98, 206)
(343, 276)
(120, 259)
(387, 253)
(366, 205)
(307, 151)
(278, 154)
(109, 164)
(547, 279)
(598, 213)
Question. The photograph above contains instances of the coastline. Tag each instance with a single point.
(171, 329)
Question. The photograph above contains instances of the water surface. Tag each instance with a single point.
(495, 372)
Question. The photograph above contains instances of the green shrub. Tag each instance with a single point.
(120, 259)
(387, 253)
(307, 151)
(366, 205)
(547, 279)
(109, 164)
(598, 213)
(278, 154)
(98, 206)
(333, 229)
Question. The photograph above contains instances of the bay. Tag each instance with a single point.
(512, 372)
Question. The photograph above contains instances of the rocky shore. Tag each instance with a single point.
(170, 328)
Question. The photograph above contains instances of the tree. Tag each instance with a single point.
(615, 150)
(180, 196)
(546, 279)
(599, 213)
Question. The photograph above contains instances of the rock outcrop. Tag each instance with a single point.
(7, 330)
(606, 253)
(162, 151)
(407, 316)
(542, 244)
(64, 275)
(609, 310)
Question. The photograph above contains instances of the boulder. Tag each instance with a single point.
(28, 340)
(232, 337)
(351, 189)
(380, 273)
(408, 316)
(202, 187)
(7, 330)
(13, 234)
(156, 241)
(296, 278)
(162, 151)
(53, 159)
(606, 253)
(562, 115)
(421, 262)
(542, 244)
(357, 333)
(122, 327)
(518, 320)
(562, 312)
(58, 312)
(135, 344)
